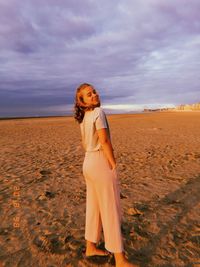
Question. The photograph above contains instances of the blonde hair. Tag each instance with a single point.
(79, 105)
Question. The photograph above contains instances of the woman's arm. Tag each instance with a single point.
(83, 145)
(107, 147)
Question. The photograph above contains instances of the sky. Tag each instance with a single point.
(136, 53)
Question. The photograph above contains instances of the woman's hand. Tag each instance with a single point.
(107, 147)
(112, 166)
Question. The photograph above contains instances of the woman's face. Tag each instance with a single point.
(90, 97)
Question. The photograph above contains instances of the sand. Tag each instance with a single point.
(43, 192)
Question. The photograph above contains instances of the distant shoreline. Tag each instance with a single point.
(60, 116)
(33, 117)
(127, 113)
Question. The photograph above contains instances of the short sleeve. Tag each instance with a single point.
(100, 119)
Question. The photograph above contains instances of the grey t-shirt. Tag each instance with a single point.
(92, 121)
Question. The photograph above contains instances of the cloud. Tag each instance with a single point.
(132, 51)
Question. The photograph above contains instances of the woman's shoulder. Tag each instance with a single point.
(98, 109)
(99, 113)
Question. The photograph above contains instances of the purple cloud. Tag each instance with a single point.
(134, 52)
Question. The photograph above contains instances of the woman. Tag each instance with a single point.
(103, 209)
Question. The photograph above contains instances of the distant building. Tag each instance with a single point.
(195, 106)
(187, 107)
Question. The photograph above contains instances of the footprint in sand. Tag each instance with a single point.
(45, 172)
(49, 194)
(49, 243)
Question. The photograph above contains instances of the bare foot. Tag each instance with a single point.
(96, 252)
(125, 263)
(92, 250)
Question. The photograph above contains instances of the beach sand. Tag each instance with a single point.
(43, 191)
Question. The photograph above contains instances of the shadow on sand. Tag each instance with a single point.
(169, 243)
